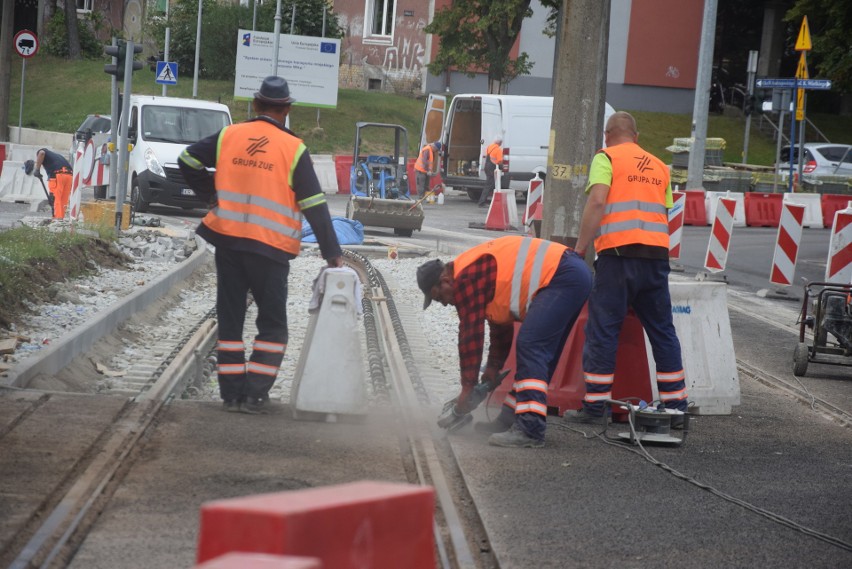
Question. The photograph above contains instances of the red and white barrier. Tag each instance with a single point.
(676, 218)
(720, 236)
(76, 186)
(94, 171)
(787, 244)
(535, 195)
(838, 269)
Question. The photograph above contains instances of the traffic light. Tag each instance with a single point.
(119, 52)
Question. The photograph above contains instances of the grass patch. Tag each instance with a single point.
(60, 93)
(34, 260)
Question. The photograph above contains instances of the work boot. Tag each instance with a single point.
(255, 406)
(514, 438)
(583, 417)
(231, 406)
(678, 421)
(491, 427)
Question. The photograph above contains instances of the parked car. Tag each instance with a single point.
(821, 159)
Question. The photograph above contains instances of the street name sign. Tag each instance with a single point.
(792, 83)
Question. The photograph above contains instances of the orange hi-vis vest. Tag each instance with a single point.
(524, 265)
(635, 211)
(494, 153)
(425, 159)
(254, 172)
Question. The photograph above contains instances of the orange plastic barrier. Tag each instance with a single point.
(831, 203)
(389, 524)
(260, 561)
(342, 169)
(695, 211)
(763, 210)
(567, 388)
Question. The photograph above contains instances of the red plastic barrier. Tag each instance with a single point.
(763, 210)
(567, 388)
(389, 524)
(695, 211)
(831, 203)
(342, 168)
(260, 561)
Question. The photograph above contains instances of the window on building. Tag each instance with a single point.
(380, 14)
(85, 5)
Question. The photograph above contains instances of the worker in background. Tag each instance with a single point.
(263, 183)
(626, 214)
(59, 177)
(511, 279)
(493, 159)
(426, 166)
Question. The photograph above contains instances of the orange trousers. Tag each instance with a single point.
(60, 187)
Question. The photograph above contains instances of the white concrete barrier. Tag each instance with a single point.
(700, 313)
(324, 167)
(15, 186)
(813, 207)
(329, 376)
(712, 198)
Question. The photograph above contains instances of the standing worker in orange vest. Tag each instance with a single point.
(493, 159)
(264, 182)
(426, 166)
(627, 216)
(511, 279)
(59, 177)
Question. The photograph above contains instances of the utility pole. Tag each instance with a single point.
(7, 27)
(576, 130)
(695, 174)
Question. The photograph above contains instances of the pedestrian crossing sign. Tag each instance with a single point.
(167, 72)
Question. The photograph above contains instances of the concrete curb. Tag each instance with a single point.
(82, 338)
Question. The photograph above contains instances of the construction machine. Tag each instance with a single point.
(379, 182)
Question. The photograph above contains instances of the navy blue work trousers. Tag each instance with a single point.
(542, 335)
(239, 272)
(642, 284)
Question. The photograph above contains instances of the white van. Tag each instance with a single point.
(470, 125)
(159, 129)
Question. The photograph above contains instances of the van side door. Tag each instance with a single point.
(491, 126)
(432, 128)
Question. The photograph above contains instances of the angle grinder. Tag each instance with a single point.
(452, 421)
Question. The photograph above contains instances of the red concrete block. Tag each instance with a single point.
(260, 561)
(342, 170)
(567, 388)
(695, 210)
(831, 203)
(763, 210)
(349, 526)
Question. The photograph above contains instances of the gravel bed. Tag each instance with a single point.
(431, 333)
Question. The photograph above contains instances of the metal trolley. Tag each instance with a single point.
(831, 322)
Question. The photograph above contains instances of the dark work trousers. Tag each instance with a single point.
(542, 335)
(489, 169)
(239, 272)
(421, 180)
(643, 284)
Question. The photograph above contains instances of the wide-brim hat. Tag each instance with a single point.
(274, 91)
(428, 275)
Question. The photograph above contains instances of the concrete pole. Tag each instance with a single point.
(695, 174)
(576, 130)
(7, 27)
(197, 53)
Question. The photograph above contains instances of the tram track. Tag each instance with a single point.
(60, 524)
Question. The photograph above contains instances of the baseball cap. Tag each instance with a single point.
(428, 275)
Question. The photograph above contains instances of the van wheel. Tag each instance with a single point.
(136, 200)
(100, 192)
(473, 194)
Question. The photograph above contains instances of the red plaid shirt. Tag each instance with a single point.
(474, 289)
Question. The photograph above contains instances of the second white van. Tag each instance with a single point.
(471, 123)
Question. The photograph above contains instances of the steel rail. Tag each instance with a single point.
(69, 517)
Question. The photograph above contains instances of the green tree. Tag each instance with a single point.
(219, 24)
(478, 35)
(829, 22)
